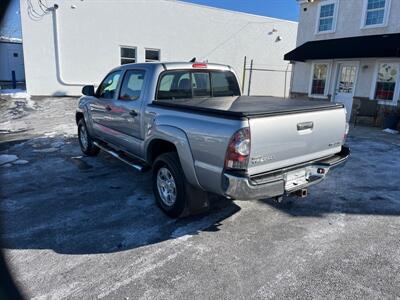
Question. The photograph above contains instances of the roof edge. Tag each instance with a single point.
(231, 11)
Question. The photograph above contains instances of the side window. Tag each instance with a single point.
(174, 85)
(224, 84)
(132, 85)
(201, 84)
(109, 85)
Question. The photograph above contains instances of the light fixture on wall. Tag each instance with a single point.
(273, 31)
(278, 38)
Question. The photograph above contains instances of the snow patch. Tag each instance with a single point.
(20, 162)
(50, 134)
(46, 150)
(391, 131)
(57, 144)
(7, 158)
(13, 127)
(15, 93)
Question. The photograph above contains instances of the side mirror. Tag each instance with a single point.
(88, 90)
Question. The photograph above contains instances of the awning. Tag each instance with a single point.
(386, 45)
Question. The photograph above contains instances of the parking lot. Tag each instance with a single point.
(83, 227)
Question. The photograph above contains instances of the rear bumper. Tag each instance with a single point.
(276, 183)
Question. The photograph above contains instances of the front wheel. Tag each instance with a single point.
(85, 141)
(169, 185)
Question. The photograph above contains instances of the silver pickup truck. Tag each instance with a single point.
(189, 124)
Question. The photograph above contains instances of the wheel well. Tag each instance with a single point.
(158, 147)
(78, 116)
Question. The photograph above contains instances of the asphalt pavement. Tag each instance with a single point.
(78, 227)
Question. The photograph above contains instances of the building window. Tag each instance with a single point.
(319, 78)
(386, 81)
(326, 20)
(128, 55)
(375, 13)
(15, 54)
(152, 55)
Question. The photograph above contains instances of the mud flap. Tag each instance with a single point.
(197, 201)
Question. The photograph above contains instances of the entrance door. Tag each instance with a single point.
(345, 85)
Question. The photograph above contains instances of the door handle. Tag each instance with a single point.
(305, 126)
(133, 113)
(108, 108)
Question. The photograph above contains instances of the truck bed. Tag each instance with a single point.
(246, 106)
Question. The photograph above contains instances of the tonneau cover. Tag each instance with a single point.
(247, 106)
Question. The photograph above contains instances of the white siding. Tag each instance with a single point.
(91, 33)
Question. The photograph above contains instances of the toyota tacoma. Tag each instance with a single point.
(189, 124)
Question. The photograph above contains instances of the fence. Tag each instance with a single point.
(257, 79)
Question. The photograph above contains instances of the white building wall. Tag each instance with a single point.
(11, 59)
(91, 32)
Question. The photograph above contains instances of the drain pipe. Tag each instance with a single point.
(57, 50)
(284, 89)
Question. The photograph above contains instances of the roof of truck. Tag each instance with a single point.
(179, 65)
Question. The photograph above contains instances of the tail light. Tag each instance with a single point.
(238, 152)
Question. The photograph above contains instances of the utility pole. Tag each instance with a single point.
(244, 73)
(251, 73)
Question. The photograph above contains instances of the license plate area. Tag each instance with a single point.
(296, 178)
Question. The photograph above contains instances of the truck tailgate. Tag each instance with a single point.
(285, 140)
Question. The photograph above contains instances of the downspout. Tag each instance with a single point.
(284, 89)
(57, 51)
(291, 78)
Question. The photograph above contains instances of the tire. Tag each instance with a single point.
(87, 146)
(166, 167)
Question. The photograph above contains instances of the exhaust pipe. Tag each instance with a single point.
(302, 193)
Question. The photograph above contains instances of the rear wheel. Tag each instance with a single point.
(85, 141)
(169, 185)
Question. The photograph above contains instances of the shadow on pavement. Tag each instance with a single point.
(71, 204)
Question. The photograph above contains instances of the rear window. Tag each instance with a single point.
(201, 85)
(174, 85)
(224, 84)
(189, 84)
